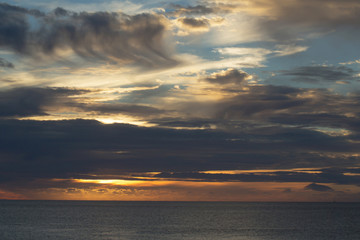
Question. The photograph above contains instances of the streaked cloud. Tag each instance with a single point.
(114, 37)
(321, 73)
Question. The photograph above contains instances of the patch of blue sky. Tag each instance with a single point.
(334, 50)
(336, 47)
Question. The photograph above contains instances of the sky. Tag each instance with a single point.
(213, 100)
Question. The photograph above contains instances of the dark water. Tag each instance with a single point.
(177, 220)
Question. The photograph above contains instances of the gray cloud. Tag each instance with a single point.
(54, 149)
(193, 10)
(320, 73)
(259, 102)
(187, 122)
(230, 76)
(291, 106)
(6, 64)
(117, 37)
(310, 108)
(194, 23)
(14, 26)
(330, 120)
(32, 101)
(319, 188)
(202, 9)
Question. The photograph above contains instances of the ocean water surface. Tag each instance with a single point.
(178, 220)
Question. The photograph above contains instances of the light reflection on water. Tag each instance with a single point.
(178, 220)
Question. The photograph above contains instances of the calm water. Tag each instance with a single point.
(177, 220)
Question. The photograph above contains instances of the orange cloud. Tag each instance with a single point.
(10, 195)
(139, 190)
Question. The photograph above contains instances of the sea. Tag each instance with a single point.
(89, 220)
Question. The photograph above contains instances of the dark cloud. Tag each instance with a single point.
(60, 12)
(187, 123)
(263, 105)
(318, 109)
(230, 76)
(135, 39)
(319, 188)
(288, 105)
(261, 101)
(194, 23)
(69, 148)
(64, 149)
(255, 102)
(320, 73)
(329, 120)
(13, 27)
(21, 102)
(6, 64)
(209, 8)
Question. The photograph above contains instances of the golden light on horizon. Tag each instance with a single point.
(185, 190)
(120, 182)
(182, 190)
